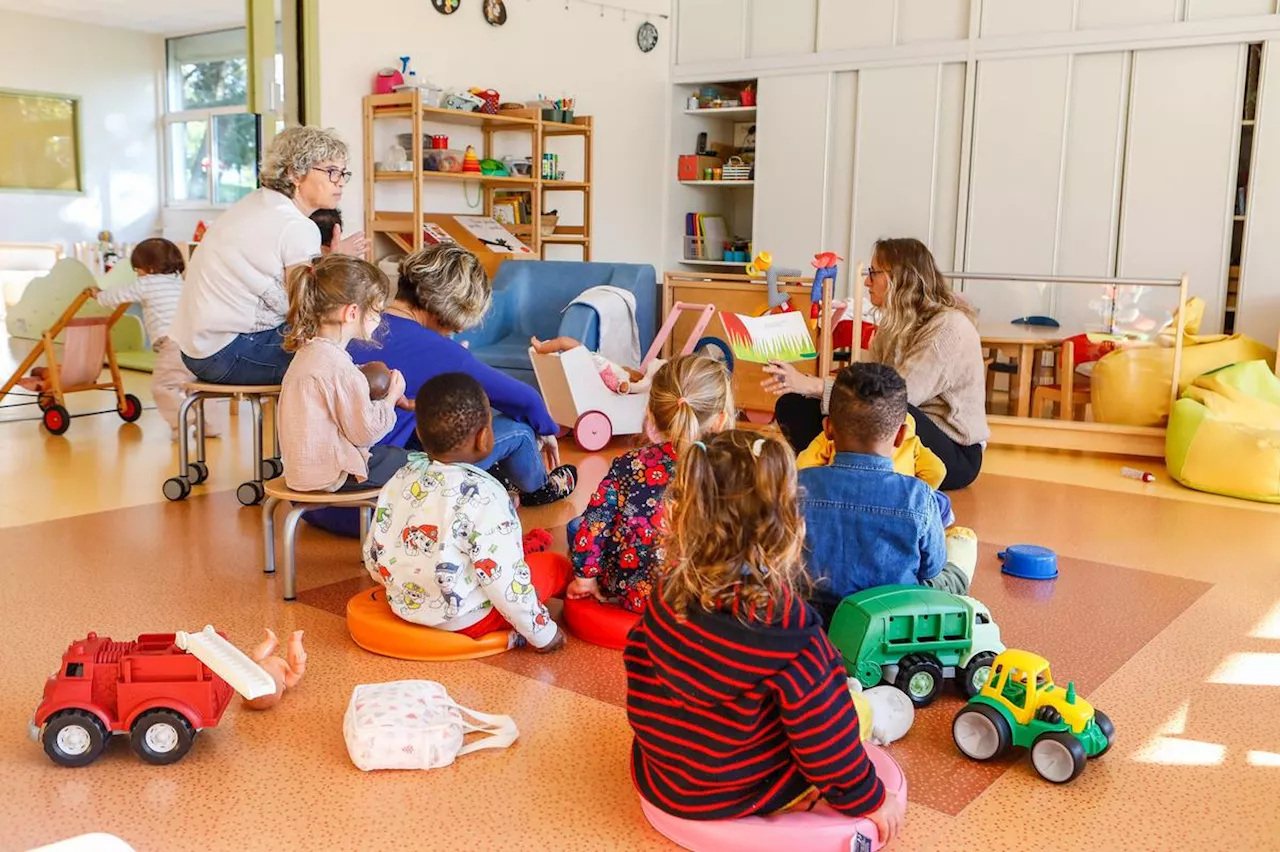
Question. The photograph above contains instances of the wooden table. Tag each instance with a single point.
(1022, 342)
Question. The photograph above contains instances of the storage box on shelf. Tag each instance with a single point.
(404, 228)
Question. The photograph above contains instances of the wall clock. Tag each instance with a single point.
(647, 37)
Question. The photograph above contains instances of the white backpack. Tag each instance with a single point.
(414, 724)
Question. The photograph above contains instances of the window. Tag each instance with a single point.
(75, 670)
(211, 139)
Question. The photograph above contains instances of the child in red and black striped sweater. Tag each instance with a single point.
(738, 702)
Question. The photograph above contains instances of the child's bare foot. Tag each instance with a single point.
(554, 645)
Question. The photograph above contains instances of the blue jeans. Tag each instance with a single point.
(516, 454)
(251, 359)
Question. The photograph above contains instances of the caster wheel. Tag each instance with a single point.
(250, 493)
(56, 419)
(714, 347)
(197, 472)
(271, 468)
(131, 410)
(176, 488)
(593, 431)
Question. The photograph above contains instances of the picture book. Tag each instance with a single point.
(773, 337)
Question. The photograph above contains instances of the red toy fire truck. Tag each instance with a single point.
(161, 689)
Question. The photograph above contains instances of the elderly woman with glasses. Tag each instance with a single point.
(927, 333)
(229, 320)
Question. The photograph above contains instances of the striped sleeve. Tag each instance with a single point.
(821, 725)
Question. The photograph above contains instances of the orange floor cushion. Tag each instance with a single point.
(376, 628)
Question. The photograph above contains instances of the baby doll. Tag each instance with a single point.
(286, 673)
(379, 379)
(617, 378)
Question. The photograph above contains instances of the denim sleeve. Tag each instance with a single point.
(933, 544)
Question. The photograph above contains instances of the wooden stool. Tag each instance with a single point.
(191, 473)
(301, 502)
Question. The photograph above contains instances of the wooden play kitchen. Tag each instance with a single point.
(399, 226)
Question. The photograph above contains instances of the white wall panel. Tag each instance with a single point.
(932, 20)
(709, 30)
(840, 168)
(1180, 168)
(1014, 184)
(781, 29)
(1020, 17)
(1101, 14)
(1258, 313)
(1090, 213)
(849, 24)
(1201, 9)
(791, 157)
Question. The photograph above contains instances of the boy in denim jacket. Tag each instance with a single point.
(868, 525)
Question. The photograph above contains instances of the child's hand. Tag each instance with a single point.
(584, 587)
(554, 645)
(396, 391)
(888, 819)
(406, 404)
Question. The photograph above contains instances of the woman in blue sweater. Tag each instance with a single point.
(443, 290)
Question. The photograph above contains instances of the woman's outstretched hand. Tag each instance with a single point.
(784, 378)
(354, 246)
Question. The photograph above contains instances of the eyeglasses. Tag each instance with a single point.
(872, 272)
(336, 175)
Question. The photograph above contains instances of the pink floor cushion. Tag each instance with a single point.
(599, 623)
(819, 830)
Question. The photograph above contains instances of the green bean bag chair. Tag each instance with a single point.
(1224, 433)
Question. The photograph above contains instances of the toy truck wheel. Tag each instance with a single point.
(869, 674)
(74, 738)
(56, 419)
(981, 733)
(975, 675)
(920, 677)
(593, 431)
(161, 736)
(131, 410)
(1108, 729)
(1058, 756)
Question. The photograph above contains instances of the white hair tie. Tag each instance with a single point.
(756, 447)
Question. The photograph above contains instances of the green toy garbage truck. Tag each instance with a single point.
(913, 637)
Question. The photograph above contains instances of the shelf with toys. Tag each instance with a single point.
(512, 189)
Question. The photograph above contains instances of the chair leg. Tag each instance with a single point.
(365, 517)
(290, 561)
(200, 428)
(255, 403)
(183, 456)
(269, 535)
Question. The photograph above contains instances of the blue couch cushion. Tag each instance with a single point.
(509, 353)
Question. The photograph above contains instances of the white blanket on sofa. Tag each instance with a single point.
(619, 334)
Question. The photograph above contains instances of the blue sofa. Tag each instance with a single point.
(529, 299)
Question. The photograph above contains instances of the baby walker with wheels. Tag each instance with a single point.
(86, 345)
(578, 399)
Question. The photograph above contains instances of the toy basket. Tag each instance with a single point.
(701, 248)
(736, 169)
(490, 98)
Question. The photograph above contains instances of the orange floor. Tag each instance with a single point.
(1166, 614)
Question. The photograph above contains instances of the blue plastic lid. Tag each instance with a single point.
(1030, 562)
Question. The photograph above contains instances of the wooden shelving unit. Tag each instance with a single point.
(404, 228)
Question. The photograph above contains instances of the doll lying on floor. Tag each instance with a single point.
(617, 378)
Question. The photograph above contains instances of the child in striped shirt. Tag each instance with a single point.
(738, 702)
(159, 266)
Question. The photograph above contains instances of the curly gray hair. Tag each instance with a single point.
(447, 282)
(295, 151)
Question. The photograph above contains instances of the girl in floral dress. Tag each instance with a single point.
(617, 545)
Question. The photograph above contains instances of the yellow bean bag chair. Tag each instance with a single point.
(1224, 433)
(1130, 386)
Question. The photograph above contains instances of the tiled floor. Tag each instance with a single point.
(1167, 615)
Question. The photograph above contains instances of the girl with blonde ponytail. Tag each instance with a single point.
(617, 546)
